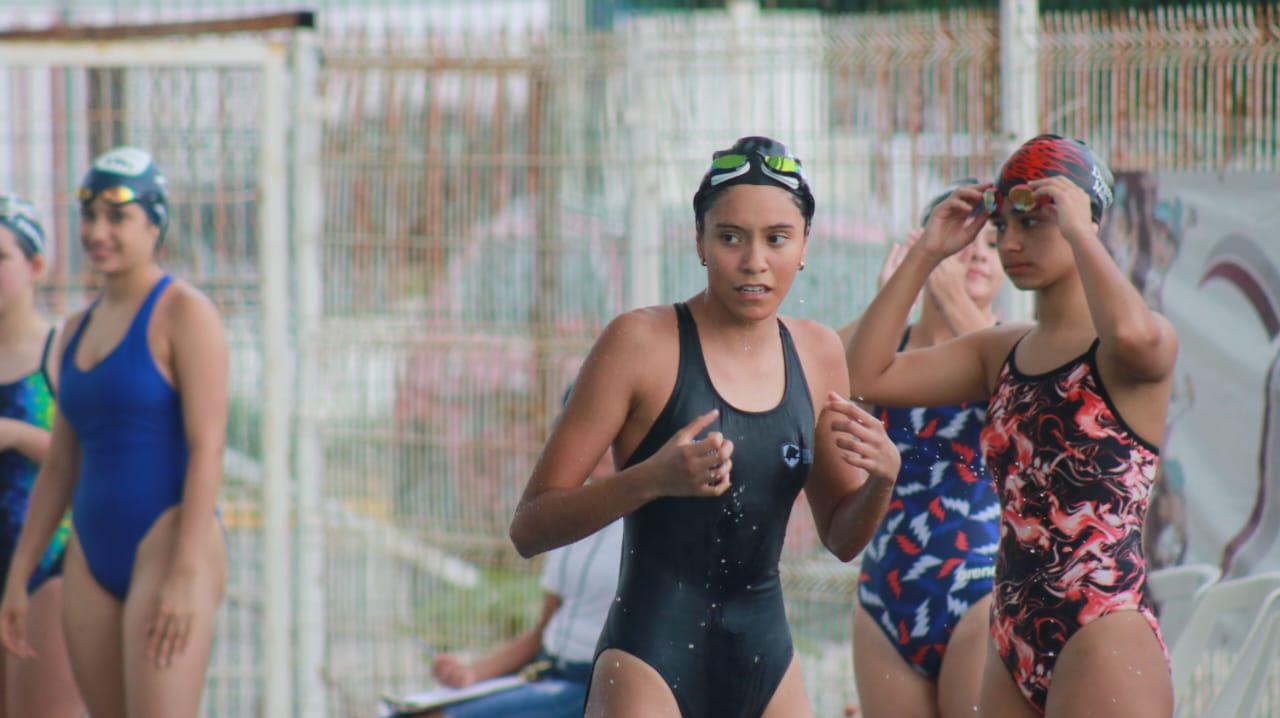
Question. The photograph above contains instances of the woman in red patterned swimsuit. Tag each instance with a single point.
(1077, 401)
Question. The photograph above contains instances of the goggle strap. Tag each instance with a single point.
(791, 182)
(725, 177)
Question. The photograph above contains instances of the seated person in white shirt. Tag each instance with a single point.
(579, 582)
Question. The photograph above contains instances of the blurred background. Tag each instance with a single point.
(416, 217)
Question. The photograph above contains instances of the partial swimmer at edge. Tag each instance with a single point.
(41, 686)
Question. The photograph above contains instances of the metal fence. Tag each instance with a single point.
(473, 202)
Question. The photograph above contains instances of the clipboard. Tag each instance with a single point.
(412, 704)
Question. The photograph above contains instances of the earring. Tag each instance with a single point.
(704, 262)
(802, 265)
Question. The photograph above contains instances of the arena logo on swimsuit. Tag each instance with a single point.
(792, 455)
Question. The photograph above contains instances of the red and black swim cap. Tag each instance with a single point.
(1052, 156)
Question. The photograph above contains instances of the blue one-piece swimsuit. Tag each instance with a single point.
(133, 447)
(934, 554)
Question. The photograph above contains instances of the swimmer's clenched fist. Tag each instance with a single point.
(861, 437)
(695, 468)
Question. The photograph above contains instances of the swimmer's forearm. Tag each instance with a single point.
(855, 520)
(558, 517)
(31, 441)
(870, 352)
(199, 500)
(510, 656)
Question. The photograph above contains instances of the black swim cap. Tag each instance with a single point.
(754, 160)
(943, 195)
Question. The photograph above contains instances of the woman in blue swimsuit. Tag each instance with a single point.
(136, 452)
(919, 630)
(41, 687)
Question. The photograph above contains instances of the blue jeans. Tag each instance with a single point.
(561, 694)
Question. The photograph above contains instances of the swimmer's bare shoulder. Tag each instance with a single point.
(636, 359)
(821, 356)
(994, 344)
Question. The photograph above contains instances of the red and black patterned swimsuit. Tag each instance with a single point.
(1074, 482)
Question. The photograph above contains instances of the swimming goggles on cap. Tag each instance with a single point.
(118, 194)
(725, 167)
(1022, 199)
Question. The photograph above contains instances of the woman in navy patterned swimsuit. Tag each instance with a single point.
(919, 631)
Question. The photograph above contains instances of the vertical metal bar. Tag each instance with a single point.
(1019, 59)
(644, 209)
(273, 264)
(1019, 92)
(308, 219)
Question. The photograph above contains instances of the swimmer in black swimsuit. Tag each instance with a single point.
(711, 406)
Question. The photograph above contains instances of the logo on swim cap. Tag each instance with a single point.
(1101, 188)
(124, 161)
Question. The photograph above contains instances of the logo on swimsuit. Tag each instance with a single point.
(791, 454)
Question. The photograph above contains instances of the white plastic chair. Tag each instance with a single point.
(1240, 697)
(1219, 614)
(1175, 590)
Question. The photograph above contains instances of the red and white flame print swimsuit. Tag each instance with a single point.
(1074, 483)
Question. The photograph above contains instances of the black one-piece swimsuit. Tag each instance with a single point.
(699, 597)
